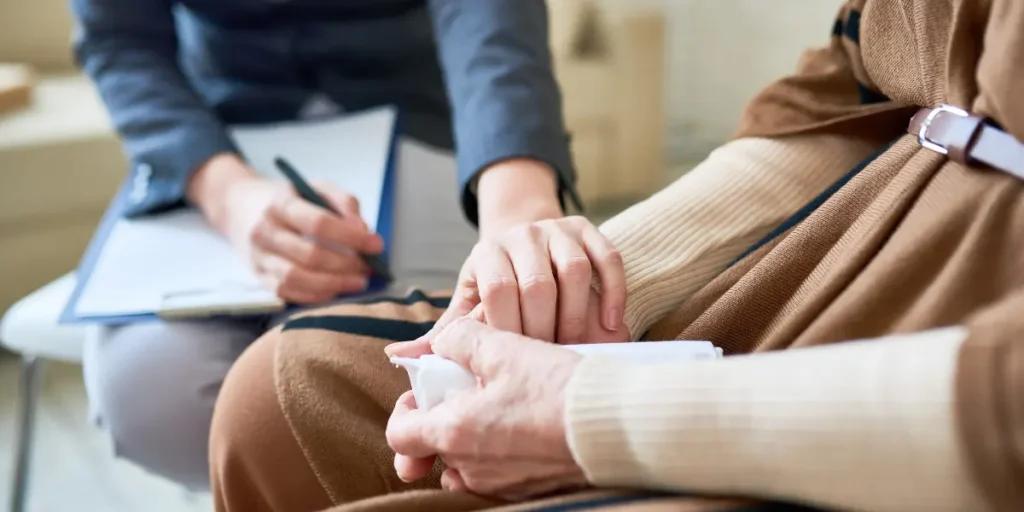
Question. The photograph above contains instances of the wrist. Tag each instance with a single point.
(210, 185)
(515, 191)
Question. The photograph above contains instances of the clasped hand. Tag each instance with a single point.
(528, 286)
(506, 438)
(535, 279)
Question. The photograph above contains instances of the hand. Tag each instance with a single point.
(304, 253)
(535, 279)
(506, 438)
(532, 269)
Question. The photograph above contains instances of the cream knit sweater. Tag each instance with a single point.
(865, 426)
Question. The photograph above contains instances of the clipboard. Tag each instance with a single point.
(206, 303)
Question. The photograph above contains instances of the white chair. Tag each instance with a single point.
(30, 329)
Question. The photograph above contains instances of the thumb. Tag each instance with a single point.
(346, 204)
(411, 349)
(482, 349)
(461, 304)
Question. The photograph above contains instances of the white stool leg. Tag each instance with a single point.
(31, 383)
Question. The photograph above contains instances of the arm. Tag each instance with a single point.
(129, 48)
(862, 426)
(675, 242)
(507, 106)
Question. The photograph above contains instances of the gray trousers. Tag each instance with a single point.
(153, 385)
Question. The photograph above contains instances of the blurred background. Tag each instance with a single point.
(650, 87)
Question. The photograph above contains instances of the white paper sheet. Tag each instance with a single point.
(174, 257)
(172, 254)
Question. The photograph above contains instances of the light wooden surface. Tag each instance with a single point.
(74, 469)
(16, 82)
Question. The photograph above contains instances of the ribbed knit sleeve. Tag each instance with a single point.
(857, 426)
(676, 241)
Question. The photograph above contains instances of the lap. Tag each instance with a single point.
(594, 499)
(334, 389)
(161, 366)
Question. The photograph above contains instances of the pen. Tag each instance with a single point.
(306, 192)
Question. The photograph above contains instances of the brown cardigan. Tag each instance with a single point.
(912, 242)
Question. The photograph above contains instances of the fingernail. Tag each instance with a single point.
(390, 349)
(376, 244)
(398, 470)
(612, 319)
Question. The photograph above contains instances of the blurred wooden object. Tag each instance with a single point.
(611, 71)
(16, 83)
(37, 32)
(60, 161)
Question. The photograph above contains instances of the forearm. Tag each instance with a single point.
(210, 184)
(865, 426)
(506, 103)
(130, 52)
(513, 191)
(679, 239)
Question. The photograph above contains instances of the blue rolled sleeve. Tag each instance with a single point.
(505, 100)
(130, 50)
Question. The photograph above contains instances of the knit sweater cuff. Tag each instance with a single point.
(817, 425)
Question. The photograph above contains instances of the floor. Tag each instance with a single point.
(73, 466)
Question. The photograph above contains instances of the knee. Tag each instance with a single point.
(256, 464)
(147, 393)
(245, 407)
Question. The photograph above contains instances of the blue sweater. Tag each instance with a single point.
(173, 73)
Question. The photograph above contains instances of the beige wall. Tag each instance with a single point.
(721, 52)
(36, 31)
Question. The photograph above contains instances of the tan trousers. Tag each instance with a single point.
(299, 424)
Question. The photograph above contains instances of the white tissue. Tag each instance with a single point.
(433, 377)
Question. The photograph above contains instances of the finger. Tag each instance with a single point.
(296, 284)
(478, 314)
(451, 480)
(607, 260)
(538, 290)
(273, 237)
(410, 469)
(481, 348)
(414, 348)
(311, 220)
(573, 271)
(342, 201)
(499, 293)
(411, 432)
(463, 301)
(465, 298)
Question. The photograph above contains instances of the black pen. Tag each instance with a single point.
(306, 192)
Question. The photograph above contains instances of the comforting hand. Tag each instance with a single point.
(535, 279)
(507, 437)
(531, 271)
(304, 253)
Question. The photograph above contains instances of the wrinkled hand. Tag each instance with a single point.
(535, 279)
(507, 437)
